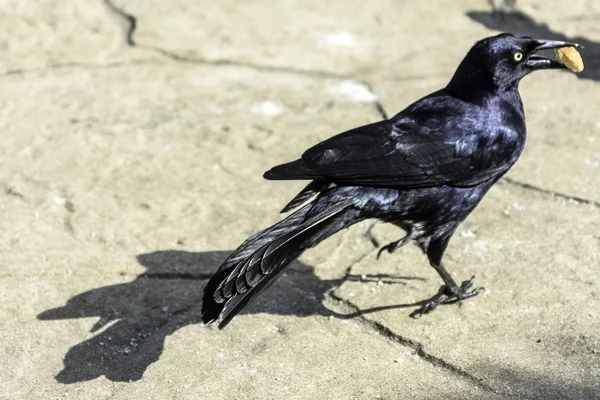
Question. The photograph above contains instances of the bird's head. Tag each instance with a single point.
(501, 61)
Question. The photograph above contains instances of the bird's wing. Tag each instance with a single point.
(381, 154)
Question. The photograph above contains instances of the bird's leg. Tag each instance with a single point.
(450, 292)
(393, 246)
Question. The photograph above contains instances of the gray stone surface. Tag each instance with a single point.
(127, 173)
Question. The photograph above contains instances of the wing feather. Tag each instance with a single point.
(381, 154)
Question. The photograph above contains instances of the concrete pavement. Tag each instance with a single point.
(127, 173)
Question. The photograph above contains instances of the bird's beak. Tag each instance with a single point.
(537, 62)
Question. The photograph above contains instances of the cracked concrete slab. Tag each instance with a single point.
(339, 37)
(413, 64)
(128, 173)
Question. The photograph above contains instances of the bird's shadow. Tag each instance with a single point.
(518, 22)
(135, 317)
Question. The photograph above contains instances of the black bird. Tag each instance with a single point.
(424, 170)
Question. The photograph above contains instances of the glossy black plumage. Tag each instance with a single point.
(424, 170)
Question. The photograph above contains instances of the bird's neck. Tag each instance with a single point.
(499, 101)
(481, 90)
(510, 105)
(472, 85)
(477, 85)
(511, 96)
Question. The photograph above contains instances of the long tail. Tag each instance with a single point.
(256, 264)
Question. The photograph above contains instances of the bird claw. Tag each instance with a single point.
(393, 246)
(446, 295)
(463, 292)
(387, 247)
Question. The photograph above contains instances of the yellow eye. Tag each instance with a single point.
(518, 56)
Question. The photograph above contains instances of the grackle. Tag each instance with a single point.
(424, 170)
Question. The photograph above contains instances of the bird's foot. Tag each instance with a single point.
(391, 247)
(448, 295)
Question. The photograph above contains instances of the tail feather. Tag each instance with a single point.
(257, 263)
(210, 305)
(259, 239)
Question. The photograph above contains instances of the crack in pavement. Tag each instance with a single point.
(270, 68)
(378, 103)
(130, 22)
(348, 274)
(243, 64)
(8, 191)
(412, 344)
(399, 339)
(130, 40)
(22, 71)
(552, 193)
